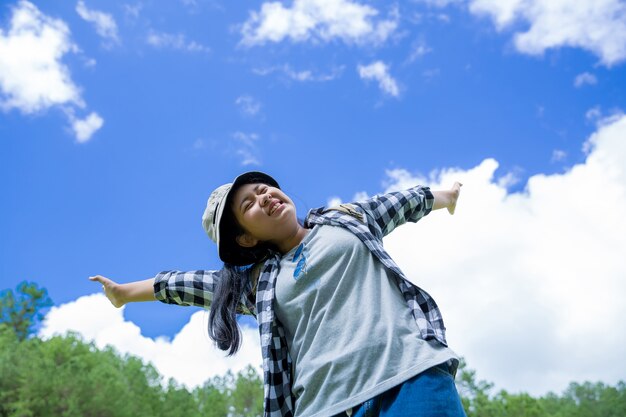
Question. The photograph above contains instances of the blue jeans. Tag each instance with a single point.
(428, 394)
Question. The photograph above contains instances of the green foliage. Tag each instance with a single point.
(579, 400)
(65, 376)
(246, 399)
(213, 398)
(22, 309)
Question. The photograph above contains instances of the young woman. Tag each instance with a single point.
(343, 332)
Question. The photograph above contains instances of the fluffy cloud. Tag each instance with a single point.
(585, 78)
(597, 115)
(190, 357)
(32, 76)
(558, 155)
(379, 71)
(593, 114)
(317, 20)
(438, 3)
(248, 105)
(302, 75)
(420, 49)
(104, 23)
(175, 41)
(246, 148)
(595, 25)
(530, 283)
(132, 11)
(85, 128)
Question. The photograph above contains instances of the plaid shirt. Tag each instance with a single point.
(370, 221)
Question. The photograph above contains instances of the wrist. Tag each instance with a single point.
(120, 294)
(443, 199)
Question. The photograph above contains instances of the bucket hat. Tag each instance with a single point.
(228, 249)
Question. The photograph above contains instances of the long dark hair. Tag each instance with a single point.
(223, 327)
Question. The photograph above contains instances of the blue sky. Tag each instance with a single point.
(117, 119)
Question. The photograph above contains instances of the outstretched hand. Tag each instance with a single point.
(111, 290)
(455, 191)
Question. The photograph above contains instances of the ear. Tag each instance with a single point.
(247, 241)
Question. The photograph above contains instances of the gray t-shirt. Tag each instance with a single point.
(351, 334)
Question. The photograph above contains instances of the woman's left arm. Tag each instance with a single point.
(447, 199)
(388, 211)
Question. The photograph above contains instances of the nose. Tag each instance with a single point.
(265, 198)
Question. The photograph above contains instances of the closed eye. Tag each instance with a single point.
(250, 203)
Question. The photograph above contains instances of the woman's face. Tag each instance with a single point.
(265, 213)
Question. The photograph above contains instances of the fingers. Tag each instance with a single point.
(97, 278)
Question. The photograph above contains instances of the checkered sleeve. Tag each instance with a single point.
(195, 288)
(387, 211)
(186, 288)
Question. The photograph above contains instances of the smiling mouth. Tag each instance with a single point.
(275, 207)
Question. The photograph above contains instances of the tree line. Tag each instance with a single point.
(67, 376)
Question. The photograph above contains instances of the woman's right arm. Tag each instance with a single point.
(171, 287)
(120, 294)
(181, 288)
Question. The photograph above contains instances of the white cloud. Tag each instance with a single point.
(104, 23)
(510, 178)
(418, 18)
(90, 62)
(379, 71)
(32, 76)
(133, 11)
(361, 196)
(598, 26)
(438, 3)
(333, 201)
(558, 155)
(246, 148)
(302, 75)
(530, 284)
(420, 49)
(585, 79)
(600, 117)
(204, 145)
(85, 128)
(190, 357)
(248, 105)
(593, 114)
(318, 21)
(175, 41)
